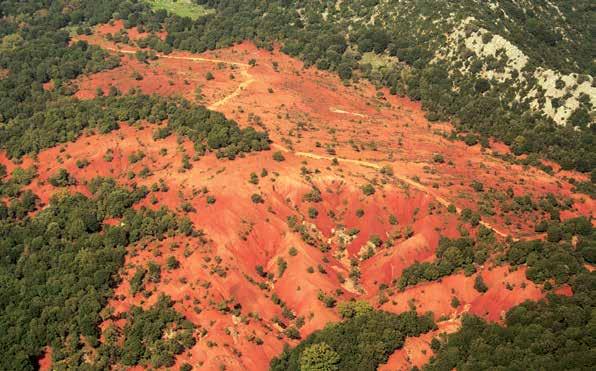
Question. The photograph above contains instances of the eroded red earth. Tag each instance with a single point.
(312, 118)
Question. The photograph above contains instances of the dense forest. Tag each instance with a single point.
(58, 268)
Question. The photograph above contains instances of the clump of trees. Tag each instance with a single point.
(556, 258)
(361, 342)
(145, 340)
(452, 254)
(207, 129)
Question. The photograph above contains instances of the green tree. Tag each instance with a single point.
(368, 189)
(319, 357)
(278, 156)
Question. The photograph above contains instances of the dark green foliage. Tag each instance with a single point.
(368, 189)
(44, 53)
(559, 261)
(58, 269)
(61, 179)
(545, 260)
(292, 333)
(82, 163)
(328, 300)
(257, 198)
(144, 340)
(67, 121)
(462, 253)
(313, 196)
(477, 186)
(136, 156)
(553, 334)
(438, 158)
(172, 263)
(282, 265)
(362, 342)
(254, 179)
(479, 284)
(278, 156)
(154, 272)
(136, 283)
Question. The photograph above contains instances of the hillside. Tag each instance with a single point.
(519, 71)
(234, 185)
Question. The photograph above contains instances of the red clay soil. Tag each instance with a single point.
(416, 350)
(133, 33)
(315, 107)
(505, 290)
(304, 111)
(45, 361)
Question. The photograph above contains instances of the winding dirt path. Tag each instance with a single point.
(249, 79)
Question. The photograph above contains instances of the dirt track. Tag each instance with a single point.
(401, 178)
(249, 79)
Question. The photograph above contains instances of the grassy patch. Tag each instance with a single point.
(182, 8)
(377, 61)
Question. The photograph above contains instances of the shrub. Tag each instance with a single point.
(172, 263)
(278, 156)
(368, 189)
(479, 284)
(477, 186)
(282, 265)
(61, 179)
(438, 158)
(257, 198)
(82, 163)
(292, 333)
